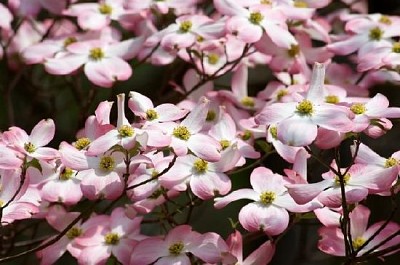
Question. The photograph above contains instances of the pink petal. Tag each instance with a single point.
(280, 36)
(105, 72)
(333, 198)
(262, 255)
(73, 158)
(276, 113)
(103, 143)
(272, 220)
(95, 255)
(139, 103)
(208, 185)
(234, 196)
(297, 131)
(359, 220)
(303, 193)
(195, 120)
(64, 65)
(204, 147)
(43, 132)
(169, 112)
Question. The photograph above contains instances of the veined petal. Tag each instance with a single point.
(73, 158)
(205, 147)
(108, 70)
(272, 220)
(276, 113)
(234, 196)
(333, 197)
(195, 120)
(359, 220)
(262, 255)
(280, 36)
(208, 185)
(297, 131)
(331, 117)
(303, 193)
(43, 132)
(103, 143)
(65, 65)
(365, 155)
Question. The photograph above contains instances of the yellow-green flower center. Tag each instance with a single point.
(358, 242)
(267, 197)
(281, 93)
(211, 115)
(185, 26)
(225, 144)
(346, 179)
(390, 162)
(181, 132)
(176, 248)
(305, 108)
(96, 54)
(293, 51)
(247, 135)
(82, 143)
(396, 47)
(256, 18)
(74, 232)
(1, 203)
(385, 20)
(200, 166)
(151, 114)
(332, 99)
(111, 239)
(358, 108)
(157, 193)
(375, 33)
(265, 2)
(126, 131)
(69, 41)
(213, 58)
(248, 102)
(274, 132)
(29, 147)
(66, 174)
(105, 9)
(154, 173)
(300, 4)
(107, 163)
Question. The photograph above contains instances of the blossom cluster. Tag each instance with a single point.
(156, 162)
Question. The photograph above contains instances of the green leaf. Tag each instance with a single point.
(34, 163)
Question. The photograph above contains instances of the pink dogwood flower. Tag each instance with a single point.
(173, 249)
(271, 202)
(33, 145)
(116, 235)
(298, 122)
(206, 179)
(250, 24)
(366, 32)
(360, 181)
(124, 134)
(188, 135)
(332, 238)
(95, 16)
(101, 175)
(104, 63)
(59, 218)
